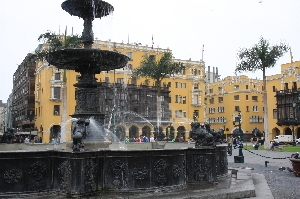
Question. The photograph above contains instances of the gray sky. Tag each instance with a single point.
(223, 26)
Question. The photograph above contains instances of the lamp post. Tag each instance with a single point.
(240, 157)
(240, 130)
(31, 118)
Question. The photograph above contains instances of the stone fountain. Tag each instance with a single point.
(87, 62)
(102, 171)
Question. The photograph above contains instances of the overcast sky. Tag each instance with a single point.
(223, 26)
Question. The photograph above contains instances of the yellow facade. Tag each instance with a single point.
(224, 100)
(288, 79)
(187, 90)
(216, 103)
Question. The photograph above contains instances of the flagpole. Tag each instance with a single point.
(202, 52)
(152, 41)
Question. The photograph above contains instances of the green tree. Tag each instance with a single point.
(157, 71)
(261, 56)
(55, 42)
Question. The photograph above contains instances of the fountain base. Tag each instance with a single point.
(109, 171)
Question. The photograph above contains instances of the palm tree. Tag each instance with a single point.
(56, 42)
(158, 70)
(260, 57)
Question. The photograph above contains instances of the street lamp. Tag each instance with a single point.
(31, 118)
(240, 130)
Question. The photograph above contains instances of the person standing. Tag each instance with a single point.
(152, 139)
(230, 142)
(26, 140)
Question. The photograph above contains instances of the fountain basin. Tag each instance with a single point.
(92, 60)
(106, 170)
(296, 166)
(86, 9)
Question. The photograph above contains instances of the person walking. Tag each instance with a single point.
(230, 143)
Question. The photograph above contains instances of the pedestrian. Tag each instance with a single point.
(138, 140)
(256, 145)
(234, 142)
(230, 143)
(152, 139)
(271, 145)
(145, 139)
(26, 140)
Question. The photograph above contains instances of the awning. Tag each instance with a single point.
(26, 133)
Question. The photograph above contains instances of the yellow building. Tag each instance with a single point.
(281, 113)
(228, 97)
(55, 98)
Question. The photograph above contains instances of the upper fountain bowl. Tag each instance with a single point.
(87, 8)
(87, 59)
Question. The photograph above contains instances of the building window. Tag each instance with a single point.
(133, 80)
(195, 99)
(274, 113)
(221, 109)
(254, 98)
(57, 76)
(211, 101)
(196, 86)
(247, 108)
(195, 71)
(274, 89)
(246, 97)
(211, 110)
(56, 110)
(180, 99)
(246, 86)
(120, 80)
(56, 92)
(184, 100)
(106, 79)
(220, 99)
(183, 85)
(211, 90)
(129, 66)
(236, 87)
(184, 114)
(169, 84)
(237, 108)
(196, 113)
(176, 84)
(236, 97)
(220, 89)
(129, 54)
(176, 98)
(255, 108)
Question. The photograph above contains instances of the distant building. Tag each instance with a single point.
(22, 101)
(284, 90)
(2, 117)
(227, 97)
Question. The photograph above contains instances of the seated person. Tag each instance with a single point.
(275, 143)
(256, 146)
(272, 145)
